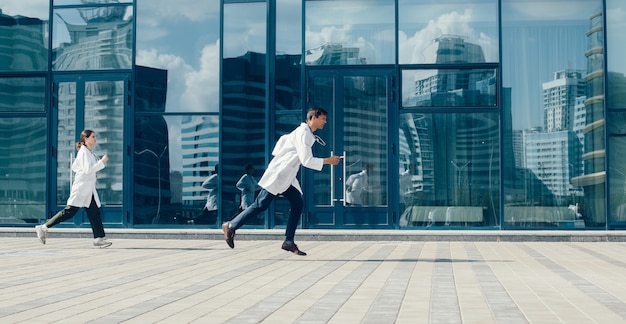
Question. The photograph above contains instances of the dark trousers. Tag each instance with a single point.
(263, 201)
(93, 213)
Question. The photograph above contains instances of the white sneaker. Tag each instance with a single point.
(101, 242)
(41, 234)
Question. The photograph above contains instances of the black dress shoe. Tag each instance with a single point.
(229, 235)
(292, 247)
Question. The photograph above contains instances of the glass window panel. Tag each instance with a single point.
(66, 138)
(288, 58)
(23, 149)
(173, 157)
(244, 113)
(22, 94)
(617, 166)
(92, 38)
(449, 88)
(449, 169)
(182, 43)
(23, 36)
(554, 174)
(350, 32)
(82, 2)
(448, 31)
(104, 113)
(616, 38)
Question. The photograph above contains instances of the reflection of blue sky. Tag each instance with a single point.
(535, 44)
(184, 40)
(616, 25)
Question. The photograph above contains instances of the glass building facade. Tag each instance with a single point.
(456, 114)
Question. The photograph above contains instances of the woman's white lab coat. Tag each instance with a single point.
(291, 151)
(85, 167)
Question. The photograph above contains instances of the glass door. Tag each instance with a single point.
(355, 192)
(97, 104)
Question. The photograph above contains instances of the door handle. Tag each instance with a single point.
(343, 179)
(332, 181)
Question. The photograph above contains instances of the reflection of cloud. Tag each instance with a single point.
(26, 8)
(188, 90)
(412, 48)
(202, 86)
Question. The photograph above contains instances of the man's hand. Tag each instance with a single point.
(334, 160)
(105, 158)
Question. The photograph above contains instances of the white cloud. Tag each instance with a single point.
(183, 9)
(188, 90)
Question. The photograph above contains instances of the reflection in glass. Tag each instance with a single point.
(349, 32)
(22, 94)
(449, 88)
(446, 32)
(173, 156)
(66, 138)
(617, 170)
(23, 149)
(554, 174)
(449, 169)
(244, 112)
(92, 38)
(365, 140)
(183, 41)
(104, 113)
(23, 41)
(615, 26)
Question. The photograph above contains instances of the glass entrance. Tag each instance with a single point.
(355, 192)
(97, 104)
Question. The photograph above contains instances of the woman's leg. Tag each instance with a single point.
(93, 213)
(63, 215)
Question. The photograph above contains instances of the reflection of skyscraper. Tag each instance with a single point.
(594, 178)
(454, 87)
(23, 43)
(333, 54)
(559, 99)
(200, 144)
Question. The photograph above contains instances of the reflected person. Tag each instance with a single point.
(209, 212)
(247, 184)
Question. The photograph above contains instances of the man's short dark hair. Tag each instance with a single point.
(316, 112)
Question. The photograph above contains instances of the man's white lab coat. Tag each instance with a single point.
(85, 166)
(291, 151)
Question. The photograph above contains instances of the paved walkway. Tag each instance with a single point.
(340, 281)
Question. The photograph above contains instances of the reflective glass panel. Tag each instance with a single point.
(554, 173)
(616, 38)
(244, 113)
(349, 32)
(288, 58)
(104, 113)
(448, 31)
(92, 38)
(23, 148)
(180, 44)
(66, 138)
(22, 94)
(174, 155)
(23, 35)
(81, 2)
(449, 88)
(617, 166)
(449, 169)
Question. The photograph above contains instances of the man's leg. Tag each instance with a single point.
(295, 200)
(261, 203)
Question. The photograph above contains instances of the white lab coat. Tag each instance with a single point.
(248, 185)
(356, 185)
(291, 151)
(85, 167)
(211, 185)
